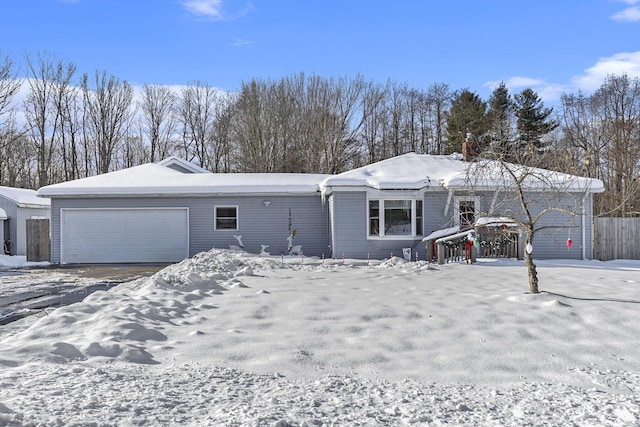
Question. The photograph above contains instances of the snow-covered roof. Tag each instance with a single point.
(408, 172)
(156, 180)
(441, 233)
(182, 165)
(491, 174)
(3, 214)
(419, 171)
(24, 198)
(494, 221)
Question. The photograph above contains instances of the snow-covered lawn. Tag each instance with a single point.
(228, 338)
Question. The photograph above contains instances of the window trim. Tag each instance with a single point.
(381, 218)
(456, 207)
(215, 217)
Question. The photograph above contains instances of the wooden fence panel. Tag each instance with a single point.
(38, 240)
(616, 238)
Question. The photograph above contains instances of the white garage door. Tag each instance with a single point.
(124, 235)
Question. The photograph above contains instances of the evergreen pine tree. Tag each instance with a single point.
(501, 120)
(467, 118)
(533, 119)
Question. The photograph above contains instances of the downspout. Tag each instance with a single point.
(446, 206)
(584, 227)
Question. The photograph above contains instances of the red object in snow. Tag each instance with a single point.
(569, 243)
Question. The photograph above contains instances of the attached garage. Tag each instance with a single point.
(168, 211)
(124, 235)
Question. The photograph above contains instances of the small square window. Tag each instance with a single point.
(226, 218)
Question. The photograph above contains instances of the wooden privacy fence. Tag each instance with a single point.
(38, 240)
(616, 238)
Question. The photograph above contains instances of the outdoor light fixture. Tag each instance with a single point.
(267, 203)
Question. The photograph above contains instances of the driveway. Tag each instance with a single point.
(28, 291)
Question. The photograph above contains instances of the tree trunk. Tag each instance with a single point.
(533, 274)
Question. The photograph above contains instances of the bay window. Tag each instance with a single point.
(395, 217)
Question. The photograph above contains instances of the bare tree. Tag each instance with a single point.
(603, 131)
(158, 119)
(397, 115)
(48, 82)
(342, 120)
(537, 200)
(69, 103)
(373, 110)
(195, 115)
(108, 107)
(9, 84)
(618, 105)
(583, 130)
(222, 133)
(16, 159)
(439, 99)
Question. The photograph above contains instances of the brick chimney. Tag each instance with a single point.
(469, 148)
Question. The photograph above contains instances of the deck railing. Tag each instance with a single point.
(480, 242)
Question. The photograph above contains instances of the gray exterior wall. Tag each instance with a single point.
(554, 227)
(348, 212)
(17, 217)
(349, 234)
(258, 224)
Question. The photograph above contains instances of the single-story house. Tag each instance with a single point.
(167, 211)
(16, 206)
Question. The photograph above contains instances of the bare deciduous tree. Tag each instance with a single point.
(158, 120)
(195, 115)
(222, 130)
(538, 200)
(108, 113)
(48, 81)
(439, 99)
(603, 130)
(9, 84)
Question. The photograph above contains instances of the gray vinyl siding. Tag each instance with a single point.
(17, 217)
(349, 220)
(549, 243)
(435, 217)
(258, 224)
(554, 227)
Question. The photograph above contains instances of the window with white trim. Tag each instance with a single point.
(226, 218)
(394, 218)
(465, 210)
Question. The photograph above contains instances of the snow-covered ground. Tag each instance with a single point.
(228, 338)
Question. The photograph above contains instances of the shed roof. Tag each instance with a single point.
(24, 197)
(157, 180)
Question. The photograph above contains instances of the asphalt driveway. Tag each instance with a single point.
(28, 291)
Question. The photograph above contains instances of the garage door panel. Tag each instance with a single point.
(124, 235)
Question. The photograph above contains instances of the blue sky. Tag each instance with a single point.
(549, 45)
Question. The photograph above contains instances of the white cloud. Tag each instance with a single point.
(621, 63)
(241, 42)
(630, 14)
(216, 11)
(547, 91)
(516, 82)
(208, 8)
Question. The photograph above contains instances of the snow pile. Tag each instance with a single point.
(17, 261)
(228, 338)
